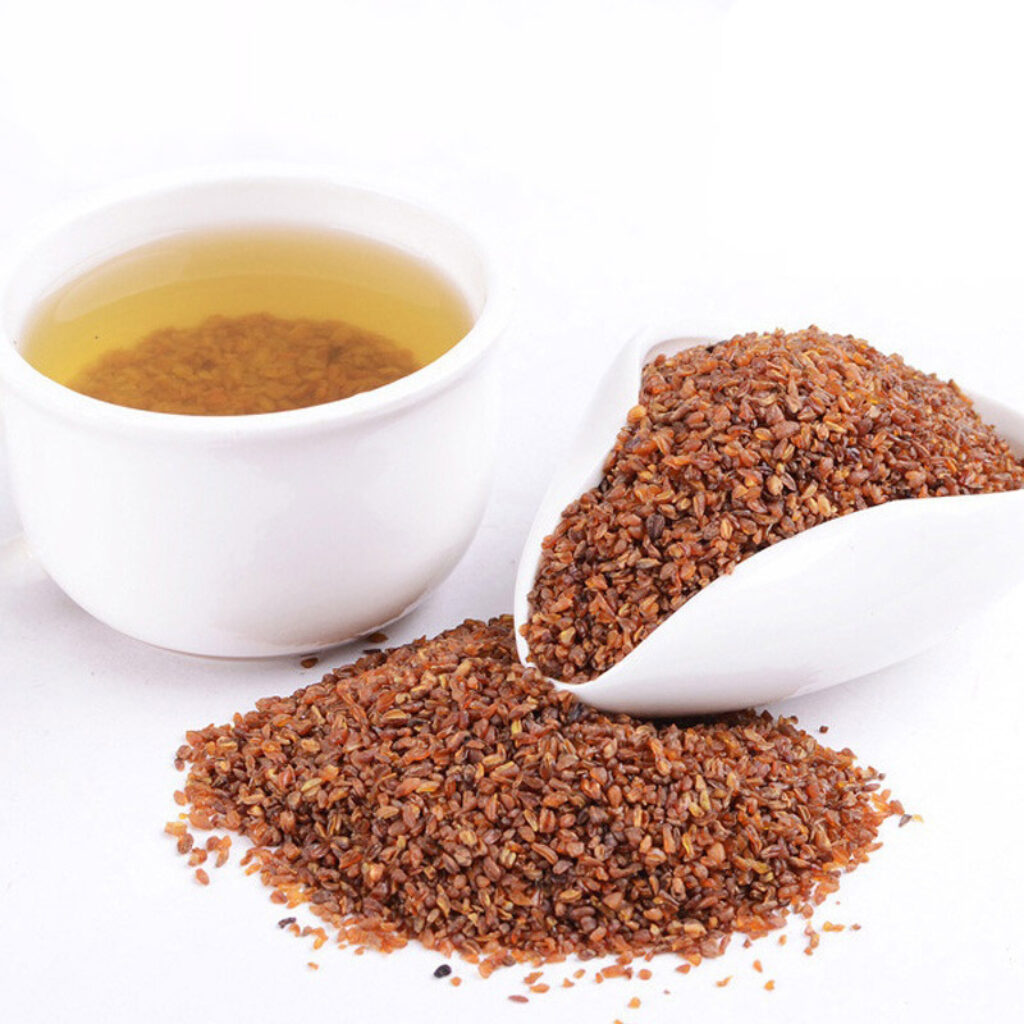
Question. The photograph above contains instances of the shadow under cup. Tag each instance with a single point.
(275, 533)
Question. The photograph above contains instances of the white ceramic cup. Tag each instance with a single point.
(257, 535)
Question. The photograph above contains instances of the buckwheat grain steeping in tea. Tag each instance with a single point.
(731, 449)
(245, 321)
(443, 792)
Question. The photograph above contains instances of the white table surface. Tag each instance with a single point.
(736, 165)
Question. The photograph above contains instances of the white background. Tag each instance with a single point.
(738, 166)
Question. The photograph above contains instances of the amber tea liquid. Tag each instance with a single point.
(245, 321)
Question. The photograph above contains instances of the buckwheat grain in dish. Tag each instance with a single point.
(444, 793)
(729, 450)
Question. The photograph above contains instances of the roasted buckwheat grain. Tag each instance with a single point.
(443, 792)
(729, 450)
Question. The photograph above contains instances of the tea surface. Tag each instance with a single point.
(245, 321)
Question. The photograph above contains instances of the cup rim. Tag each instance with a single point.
(24, 380)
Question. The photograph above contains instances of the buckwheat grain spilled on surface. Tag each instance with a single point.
(442, 792)
(731, 449)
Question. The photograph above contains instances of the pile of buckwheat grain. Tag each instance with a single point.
(443, 792)
(733, 448)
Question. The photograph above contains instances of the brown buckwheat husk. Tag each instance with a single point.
(443, 792)
(733, 448)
